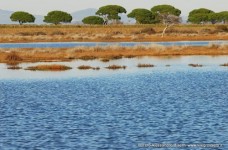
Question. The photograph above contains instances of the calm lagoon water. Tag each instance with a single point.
(115, 109)
(91, 44)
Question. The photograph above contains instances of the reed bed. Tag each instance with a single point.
(104, 53)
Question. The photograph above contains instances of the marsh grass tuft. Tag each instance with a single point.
(87, 57)
(104, 60)
(224, 65)
(114, 67)
(54, 67)
(195, 65)
(84, 67)
(145, 65)
(12, 57)
(14, 67)
(116, 57)
(129, 56)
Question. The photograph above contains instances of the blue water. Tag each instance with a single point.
(116, 111)
(92, 44)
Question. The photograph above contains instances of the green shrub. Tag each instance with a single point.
(93, 20)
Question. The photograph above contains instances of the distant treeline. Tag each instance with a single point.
(109, 14)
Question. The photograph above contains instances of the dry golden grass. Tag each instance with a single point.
(104, 53)
(53, 67)
(145, 65)
(41, 33)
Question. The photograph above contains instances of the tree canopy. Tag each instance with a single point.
(93, 20)
(22, 17)
(166, 9)
(111, 12)
(222, 16)
(142, 16)
(57, 17)
(218, 17)
(201, 15)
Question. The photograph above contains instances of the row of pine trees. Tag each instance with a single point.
(110, 14)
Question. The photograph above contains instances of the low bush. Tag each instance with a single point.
(13, 56)
(24, 34)
(206, 31)
(39, 33)
(148, 31)
(181, 31)
(222, 28)
(57, 33)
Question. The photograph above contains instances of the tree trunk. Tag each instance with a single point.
(163, 33)
(20, 22)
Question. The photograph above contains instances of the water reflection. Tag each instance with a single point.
(176, 63)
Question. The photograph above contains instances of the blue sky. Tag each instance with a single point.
(43, 6)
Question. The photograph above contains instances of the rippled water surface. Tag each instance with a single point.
(118, 110)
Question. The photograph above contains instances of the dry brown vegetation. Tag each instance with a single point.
(195, 65)
(145, 65)
(41, 33)
(13, 57)
(53, 67)
(224, 65)
(105, 60)
(104, 53)
(84, 67)
(114, 67)
(14, 67)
